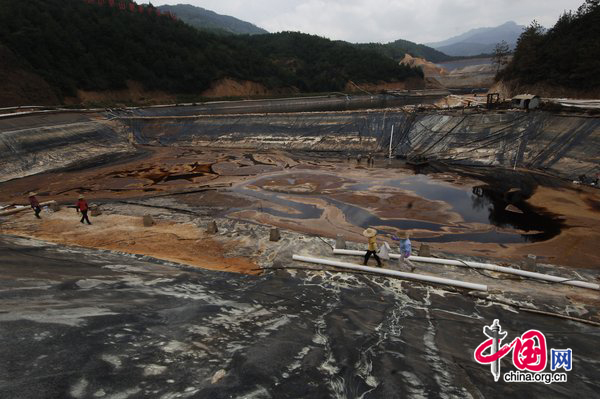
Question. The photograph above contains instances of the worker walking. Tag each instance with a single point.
(405, 247)
(35, 205)
(371, 235)
(82, 206)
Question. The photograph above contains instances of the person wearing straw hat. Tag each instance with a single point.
(371, 235)
(82, 206)
(35, 204)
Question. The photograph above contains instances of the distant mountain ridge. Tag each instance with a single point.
(208, 20)
(480, 40)
(201, 18)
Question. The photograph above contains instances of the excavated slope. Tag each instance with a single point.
(562, 145)
(565, 146)
(39, 143)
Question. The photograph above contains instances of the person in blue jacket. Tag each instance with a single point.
(405, 248)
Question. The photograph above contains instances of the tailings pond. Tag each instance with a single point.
(433, 210)
(488, 212)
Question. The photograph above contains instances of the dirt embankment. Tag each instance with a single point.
(468, 76)
(409, 84)
(227, 87)
(134, 93)
(242, 88)
(176, 242)
(430, 69)
(473, 76)
(508, 89)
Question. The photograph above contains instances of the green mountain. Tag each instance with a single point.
(325, 65)
(208, 20)
(481, 40)
(75, 45)
(398, 49)
(566, 55)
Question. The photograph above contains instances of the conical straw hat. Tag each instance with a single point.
(370, 232)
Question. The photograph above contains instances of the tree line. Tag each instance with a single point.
(74, 45)
(568, 54)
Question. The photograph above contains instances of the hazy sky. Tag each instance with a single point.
(385, 20)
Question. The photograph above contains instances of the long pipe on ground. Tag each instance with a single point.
(25, 208)
(393, 273)
(486, 266)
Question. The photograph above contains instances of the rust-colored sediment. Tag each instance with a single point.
(176, 242)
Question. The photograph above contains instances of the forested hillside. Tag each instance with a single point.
(566, 55)
(201, 18)
(75, 45)
(312, 63)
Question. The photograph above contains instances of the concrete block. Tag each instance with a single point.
(54, 207)
(513, 209)
(340, 243)
(425, 250)
(148, 221)
(212, 228)
(530, 263)
(275, 235)
(95, 210)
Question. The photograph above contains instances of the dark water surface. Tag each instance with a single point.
(483, 204)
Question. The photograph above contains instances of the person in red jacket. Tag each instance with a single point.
(82, 206)
(35, 205)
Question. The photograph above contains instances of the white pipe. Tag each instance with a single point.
(394, 273)
(25, 208)
(486, 266)
(391, 139)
